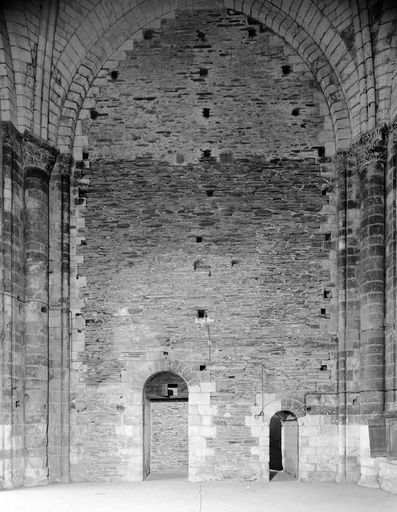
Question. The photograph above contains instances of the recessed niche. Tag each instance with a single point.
(296, 111)
(206, 112)
(201, 313)
(203, 72)
(148, 34)
(114, 75)
(169, 390)
(327, 294)
(321, 151)
(202, 367)
(323, 367)
(201, 35)
(327, 237)
(199, 239)
(286, 69)
(198, 264)
(323, 311)
(210, 193)
(206, 153)
(93, 114)
(252, 21)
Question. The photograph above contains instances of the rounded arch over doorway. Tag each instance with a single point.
(284, 444)
(165, 425)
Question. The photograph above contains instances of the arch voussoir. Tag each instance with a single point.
(290, 23)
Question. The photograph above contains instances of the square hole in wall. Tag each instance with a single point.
(172, 390)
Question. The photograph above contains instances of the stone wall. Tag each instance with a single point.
(12, 283)
(169, 439)
(290, 442)
(193, 77)
(24, 259)
(188, 216)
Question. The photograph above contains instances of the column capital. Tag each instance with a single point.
(38, 154)
(341, 158)
(371, 146)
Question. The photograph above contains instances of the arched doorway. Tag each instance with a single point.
(165, 426)
(283, 444)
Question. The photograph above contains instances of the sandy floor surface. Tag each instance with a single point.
(177, 495)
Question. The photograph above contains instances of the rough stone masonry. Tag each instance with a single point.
(198, 233)
(196, 206)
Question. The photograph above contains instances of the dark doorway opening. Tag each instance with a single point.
(165, 427)
(283, 444)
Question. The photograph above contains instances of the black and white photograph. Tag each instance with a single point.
(198, 255)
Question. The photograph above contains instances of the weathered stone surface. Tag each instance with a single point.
(37, 164)
(240, 231)
(211, 133)
(12, 283)
(169, 438)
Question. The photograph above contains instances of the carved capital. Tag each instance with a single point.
(341, 159)
(38, 154)
(371, 146)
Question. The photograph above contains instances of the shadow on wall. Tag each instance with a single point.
(283, 443)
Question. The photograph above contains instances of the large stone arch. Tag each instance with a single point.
(309, 31)
(393, 106)
(385, 71)
(8, 102)
(388, 105)
(327, 57)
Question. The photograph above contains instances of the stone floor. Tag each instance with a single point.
(178, 495)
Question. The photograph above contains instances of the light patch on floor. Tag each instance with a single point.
(179, 495)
